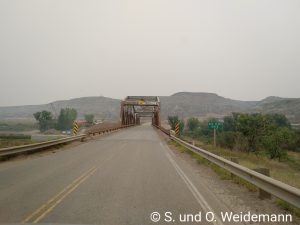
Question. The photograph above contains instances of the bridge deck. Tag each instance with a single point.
(126, 176)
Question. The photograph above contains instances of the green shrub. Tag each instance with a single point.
(275, 142)
(241, 143)
(227, 139)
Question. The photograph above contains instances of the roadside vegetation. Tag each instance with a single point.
(11, 132)
(225, 175)
(14, 140)
(14, 133)
(173, 120)
(89, 118)
(17, 126)
(64, 121)
(256, 140)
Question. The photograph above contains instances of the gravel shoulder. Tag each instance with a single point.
(234, 196)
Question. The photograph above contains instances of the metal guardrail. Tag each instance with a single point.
(166, 131)
(11, 151)
(281, 190)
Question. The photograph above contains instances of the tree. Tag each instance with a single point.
(89, 118)
(227, 139)
(203, 128)
(277, 140)
(254, 127)
(193, 124)
(280, 120)
(44, 119)
(230, 122)
(66, 118)
(181, 126)
(296, 145)
(173, 120)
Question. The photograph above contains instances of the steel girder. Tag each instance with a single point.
(134, 107)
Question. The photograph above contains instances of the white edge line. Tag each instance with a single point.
(200, 199)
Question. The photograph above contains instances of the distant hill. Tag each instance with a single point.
(183, 104)
(287, 106)
(187, 104)
(270, 99)
(102, 107)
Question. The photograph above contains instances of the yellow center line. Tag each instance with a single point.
(45, 209)
(57, 195)
(62, 197)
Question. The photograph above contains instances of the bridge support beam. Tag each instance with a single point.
(127, 115)
(134, 107)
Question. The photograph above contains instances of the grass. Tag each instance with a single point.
(288, 207)
(287, 172)
(10, 140)
(14, 142)
(17, 126)
(222, 173)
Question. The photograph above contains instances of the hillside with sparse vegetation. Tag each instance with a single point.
(183, 104)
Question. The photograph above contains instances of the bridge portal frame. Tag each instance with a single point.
(135, 107)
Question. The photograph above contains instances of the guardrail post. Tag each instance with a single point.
(262, 193)
(235, 160)
(83, 139)
(273, 187)
(193, 142)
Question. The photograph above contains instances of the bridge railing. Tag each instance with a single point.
(166, 131)
(99, 130)
(22, 149)
(277, 188)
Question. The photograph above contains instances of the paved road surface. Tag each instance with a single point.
(117, 179)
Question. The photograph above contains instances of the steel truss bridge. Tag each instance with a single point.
(135, 107)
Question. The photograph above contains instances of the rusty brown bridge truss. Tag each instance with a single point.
(135, 107)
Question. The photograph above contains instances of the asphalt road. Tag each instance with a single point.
(118, 179)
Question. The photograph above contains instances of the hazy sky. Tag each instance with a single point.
(61, 49)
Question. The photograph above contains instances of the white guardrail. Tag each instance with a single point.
(281, 190)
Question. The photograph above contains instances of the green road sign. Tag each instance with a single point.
(214, 125)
